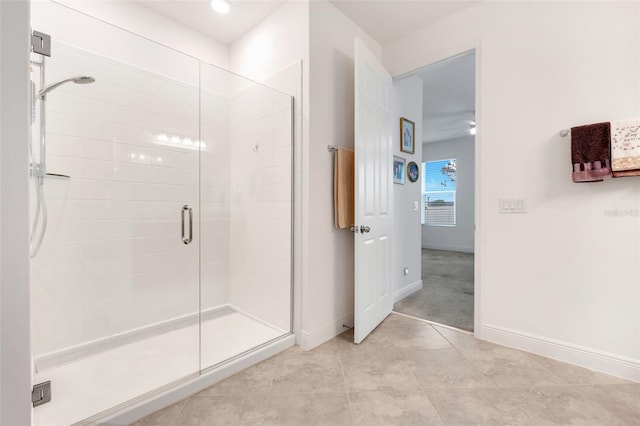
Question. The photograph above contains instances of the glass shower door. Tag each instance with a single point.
(115, 284)
(246, 215)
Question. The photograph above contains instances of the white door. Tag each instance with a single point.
(373, 193)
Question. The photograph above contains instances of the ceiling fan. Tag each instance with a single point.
(471, 127)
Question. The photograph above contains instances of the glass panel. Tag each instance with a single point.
(115, 290)
(246, 187)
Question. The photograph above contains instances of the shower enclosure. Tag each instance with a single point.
(168, 190)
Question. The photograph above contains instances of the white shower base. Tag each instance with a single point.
(103, 380)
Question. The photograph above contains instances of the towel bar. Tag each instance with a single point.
(333, 148)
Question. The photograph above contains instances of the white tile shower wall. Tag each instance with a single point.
(214, 192)
(289, 81)
(112, 259)
(261, 200)
(214, 198)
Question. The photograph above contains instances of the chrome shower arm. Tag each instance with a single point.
(42, 94)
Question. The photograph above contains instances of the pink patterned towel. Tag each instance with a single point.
(625, 147)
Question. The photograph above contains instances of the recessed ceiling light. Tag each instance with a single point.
(221, 6)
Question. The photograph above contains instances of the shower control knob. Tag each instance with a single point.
(364, 229)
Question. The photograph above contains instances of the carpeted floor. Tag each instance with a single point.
(447, 290)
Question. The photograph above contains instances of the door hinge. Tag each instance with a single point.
(41, 43)
(41, 393)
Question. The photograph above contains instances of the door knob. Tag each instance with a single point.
(364, 229)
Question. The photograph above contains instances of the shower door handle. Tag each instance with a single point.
(187, 208)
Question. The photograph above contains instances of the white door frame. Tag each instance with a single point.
(478, 244)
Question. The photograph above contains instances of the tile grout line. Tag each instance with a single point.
(420, 388)
(457, 349)
(268, 393)
(475, 367)
(344, 383)
(270, 390)
(471, 363)
(273, 373)
(432, 323)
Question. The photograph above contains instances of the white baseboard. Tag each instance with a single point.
(461, 249)
(406, 291)
(612, 364)
(311, 339)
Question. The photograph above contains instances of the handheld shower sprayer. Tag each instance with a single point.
(39, 168)
(42, 94)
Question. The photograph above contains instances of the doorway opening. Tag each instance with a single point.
(447, 195)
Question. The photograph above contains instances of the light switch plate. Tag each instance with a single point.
(512, 205)
(416, 206)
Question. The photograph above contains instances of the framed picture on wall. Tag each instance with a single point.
(413, 171)
(399, 166)
(407, 139)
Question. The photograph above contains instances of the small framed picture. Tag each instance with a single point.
(399, 165)
(413, 171)
(407, 136)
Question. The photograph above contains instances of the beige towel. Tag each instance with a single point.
(625, 147)
(626, 173)
(343, 188)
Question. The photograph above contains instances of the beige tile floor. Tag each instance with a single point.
(408, 372)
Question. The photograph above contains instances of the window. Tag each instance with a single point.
(439, 193)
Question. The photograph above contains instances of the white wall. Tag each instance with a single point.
(153, 26)
(407, 103)
(260, 204)
(276, 52)
(562, 279)
(15, 346)
(278, 41)
(459, 237)
(328, 252)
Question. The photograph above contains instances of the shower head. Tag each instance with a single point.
(83, 80)
(42, 94)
